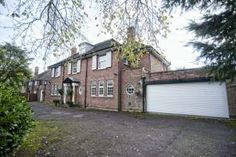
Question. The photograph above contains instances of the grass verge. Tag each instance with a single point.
(38, 140)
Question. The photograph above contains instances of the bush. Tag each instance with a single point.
(56, 102)
(15, 119)
(70, 103)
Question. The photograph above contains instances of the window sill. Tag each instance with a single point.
(102, 96)
(101, 69)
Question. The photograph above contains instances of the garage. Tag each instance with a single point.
(189, 98)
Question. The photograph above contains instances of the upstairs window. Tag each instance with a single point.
(74, 68)
(58, 71)
(93, 88)
(101, 88)
(53, 72)
(125, 61)
(102, 62)
(109, 87)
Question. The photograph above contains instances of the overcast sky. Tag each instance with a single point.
(174, 46)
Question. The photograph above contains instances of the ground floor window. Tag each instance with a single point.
(93, 88)
(101, 88)
(109, 87)
(55, 89)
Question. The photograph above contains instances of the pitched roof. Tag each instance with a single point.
(106, 45)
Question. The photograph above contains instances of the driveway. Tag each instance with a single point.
(100, 133)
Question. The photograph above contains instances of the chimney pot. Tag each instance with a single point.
(131, 33)
(73, 50)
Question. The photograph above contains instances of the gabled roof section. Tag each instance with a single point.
(158, 55)
(71, 80)
(106, 45)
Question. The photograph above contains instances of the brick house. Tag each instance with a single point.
(95, 77)
(34, 89)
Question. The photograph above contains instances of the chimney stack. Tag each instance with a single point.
(36, 71)
(131, 33)
(73, 50)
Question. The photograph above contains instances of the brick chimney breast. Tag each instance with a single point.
(73, 51)
(131, 33)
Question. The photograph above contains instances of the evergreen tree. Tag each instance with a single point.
(215, 32)
(14, 69)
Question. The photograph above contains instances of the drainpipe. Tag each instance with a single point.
(144, 94)
(119, 86)
(62, 87)
(86, 79)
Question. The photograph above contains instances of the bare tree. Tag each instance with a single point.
(55, 24)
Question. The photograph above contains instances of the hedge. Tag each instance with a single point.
(15, 119)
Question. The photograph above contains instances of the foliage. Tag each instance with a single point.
(69, 92)
(132, 51)
(70, 103)
(60, 91)
(216, 34)
(14, 69)
(56, 102)
(15, 119)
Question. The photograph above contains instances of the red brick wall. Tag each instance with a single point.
(55, 80)
(106, 103)
(131, 102)
(79, 99)
(177, 75)
(231, 93)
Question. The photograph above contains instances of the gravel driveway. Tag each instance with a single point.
(100, 133)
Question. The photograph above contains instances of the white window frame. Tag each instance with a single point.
(57, 71)
(102, 62)
(53, 72)
(110, 84)
(54, 90)
(74, 67)
(94, 62)
(69, 68)
(101, 85)
(93, 86)
(127, 88)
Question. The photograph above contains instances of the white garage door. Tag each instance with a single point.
(203, 99)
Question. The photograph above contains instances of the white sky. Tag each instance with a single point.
(176, 52)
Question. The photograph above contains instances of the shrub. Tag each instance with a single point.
(70, 103)
(15, 119)
(56, 102)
